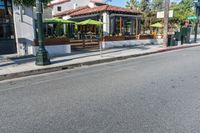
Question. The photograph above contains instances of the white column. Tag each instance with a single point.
(106, 26)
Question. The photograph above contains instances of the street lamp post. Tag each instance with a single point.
(197, 5)
(42, 57)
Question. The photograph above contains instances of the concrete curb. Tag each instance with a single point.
(179, 47)
(71, 66)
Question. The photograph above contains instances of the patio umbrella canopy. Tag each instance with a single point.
(157, 25)
(90, 22)
(58, 20)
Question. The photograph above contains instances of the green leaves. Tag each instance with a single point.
(133, 3)
(145, 5)
(157, 5)
(29, 2)
(182, 10)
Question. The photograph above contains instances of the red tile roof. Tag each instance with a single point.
(84, 10)
(58, 2)
(68, 12)
(103, 8)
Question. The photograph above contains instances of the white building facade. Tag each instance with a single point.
(17, 31)
(117, 20)
(59, 6)
(16, 28)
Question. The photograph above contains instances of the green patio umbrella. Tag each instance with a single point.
(90, 22)
(157, 25)
(57, 20)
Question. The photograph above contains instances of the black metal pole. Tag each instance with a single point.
(42, 57)
(195, 30)
(197, 5)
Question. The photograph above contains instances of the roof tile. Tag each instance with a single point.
(103, 8)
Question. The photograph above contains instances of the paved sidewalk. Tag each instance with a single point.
(13, 68)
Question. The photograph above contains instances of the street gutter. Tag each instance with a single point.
(88, 63)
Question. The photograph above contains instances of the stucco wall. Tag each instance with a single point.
(69, 5)
(55, 50)
(24, 29)
(112, 44)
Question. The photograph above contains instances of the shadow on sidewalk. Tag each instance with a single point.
(17, 61)
(74, 55)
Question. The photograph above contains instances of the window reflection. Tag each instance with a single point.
(6, 20)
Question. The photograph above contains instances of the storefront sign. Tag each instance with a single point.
(161, 14)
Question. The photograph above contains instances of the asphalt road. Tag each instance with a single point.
(153, 94)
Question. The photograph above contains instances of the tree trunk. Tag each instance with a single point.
(166, 19)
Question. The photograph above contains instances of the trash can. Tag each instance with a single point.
(177, 35)
(185, 35)
(172, 40)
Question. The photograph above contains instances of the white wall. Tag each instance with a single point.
(69, 5)
(112, 44)
(24, 29)
(55, 50)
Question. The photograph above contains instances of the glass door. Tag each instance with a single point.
(7, 34)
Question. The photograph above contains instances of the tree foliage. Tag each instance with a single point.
(182, 10)
(133, 4)
(29, 2)
(157, 5)
(145, 6)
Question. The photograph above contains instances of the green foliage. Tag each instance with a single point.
(182, 10)
(145, 6)
(29, 2)
(157, 5)
(133, 3)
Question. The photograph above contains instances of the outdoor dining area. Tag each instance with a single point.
(59, 31)
(57, 27)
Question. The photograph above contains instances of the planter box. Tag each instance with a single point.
(54, 46)
(148, 36)
(113, 38)
(118, 38)
(130, 37)
(54, 50)
(53, 41)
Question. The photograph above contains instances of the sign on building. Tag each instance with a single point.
(161, 14)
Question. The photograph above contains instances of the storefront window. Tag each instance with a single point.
(6, 20)
(7, 36)
(125, 25)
